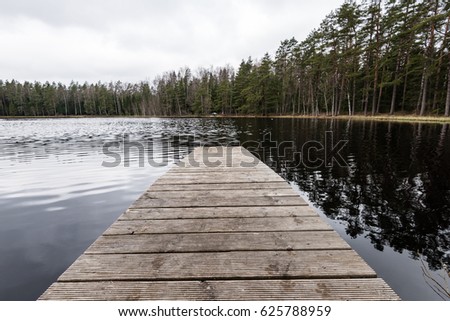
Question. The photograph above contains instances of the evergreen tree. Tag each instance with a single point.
(365, 57)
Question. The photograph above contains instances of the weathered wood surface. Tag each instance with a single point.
(213, 158)
(227, 231)
(213, 179)
(220, 170)
(285, 289)
(219, 194)
(214, 225)
(174, 187)
(219, 265)
(231, 176)
(145, 202)
(217, 242)
(216, 212)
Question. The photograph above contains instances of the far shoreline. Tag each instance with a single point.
(408, 118)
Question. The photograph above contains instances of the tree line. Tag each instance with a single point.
(366, 57)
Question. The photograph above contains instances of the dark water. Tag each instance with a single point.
(390, 198)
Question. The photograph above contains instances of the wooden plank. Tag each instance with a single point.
(216, 201)
(313, 223)
(216, 212)
(221, 178)
(220, 155)
(222, 175)
(221, 151)
(217, 194)
(217, 242)
(322, 289)
(218, 265)
(224, 156)
(217, 186)
(220, 163)
(220, 168)
(210, 179)
(217, 162)
(213, 149)
(217, 178)
(233, 170)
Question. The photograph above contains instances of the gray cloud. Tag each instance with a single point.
(136, 39)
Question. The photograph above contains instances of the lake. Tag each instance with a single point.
(383, 186)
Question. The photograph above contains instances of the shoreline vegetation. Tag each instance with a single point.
(381, 117)
(372, 58)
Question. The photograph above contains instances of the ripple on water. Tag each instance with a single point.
(56, 198)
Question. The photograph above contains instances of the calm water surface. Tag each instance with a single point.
(391, 200)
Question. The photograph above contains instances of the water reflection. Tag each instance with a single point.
(390, 202)
(56, 198)
(395, 190)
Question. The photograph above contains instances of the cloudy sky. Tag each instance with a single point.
(134, 40)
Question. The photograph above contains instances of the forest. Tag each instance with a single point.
(366, 57)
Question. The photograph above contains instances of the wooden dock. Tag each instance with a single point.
(223, 227)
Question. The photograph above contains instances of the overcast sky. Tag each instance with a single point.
(134, 40)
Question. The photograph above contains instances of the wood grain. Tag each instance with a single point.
(286, 289)
(216, 212)
(217, 194)
(218, 265)
(219, 201)
(172, 186)
(252, 224)
(217, 242)
(212, 179)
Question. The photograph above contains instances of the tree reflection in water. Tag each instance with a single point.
(395, 189)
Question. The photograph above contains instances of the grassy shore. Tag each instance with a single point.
(379, 117)
(359, 117)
